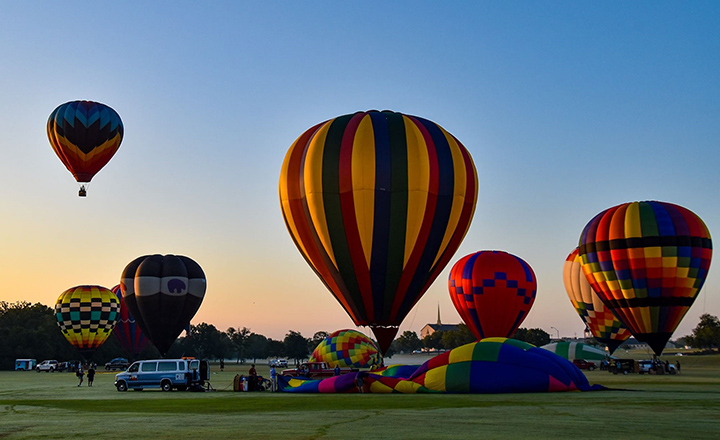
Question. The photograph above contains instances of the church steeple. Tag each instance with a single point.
(439, 323)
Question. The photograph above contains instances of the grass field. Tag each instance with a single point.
(50, 405)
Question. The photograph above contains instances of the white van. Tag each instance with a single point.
(165, 374)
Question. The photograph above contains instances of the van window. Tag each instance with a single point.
(134, 368)
(167, 366)
(148, 366)
(194, 365)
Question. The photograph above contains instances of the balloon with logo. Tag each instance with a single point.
(378, 203)
(87, 315)
(127, 332)
(347, 348)
(603, 324)
(647, 261)
(493, 292)
(85, 135)
(163, 293)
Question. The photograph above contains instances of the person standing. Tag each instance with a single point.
(273, 378)
(91, 374)
(80, 374)
(253, 378)
(222, 364)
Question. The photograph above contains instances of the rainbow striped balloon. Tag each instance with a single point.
(378, 203)
(647, 261)
(347, 348)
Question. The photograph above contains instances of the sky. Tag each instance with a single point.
(567, 108)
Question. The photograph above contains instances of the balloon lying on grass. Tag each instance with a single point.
(127, 332)
(85, 135)
(347, 348)
(602, 323)
(647, 261)
(163, 293)
(494, 365)
(576, 350)
(493, 292)
(86, 316)
(377, 203)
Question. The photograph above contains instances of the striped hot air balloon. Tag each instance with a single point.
(647, 261)
(603, 324)
(85, 135)
(378, 203)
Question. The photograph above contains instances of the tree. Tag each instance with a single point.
(455, 338)
(296, 346)
(706, 334)
(408, 342)
(433, 341)
(238, 341)
(275, 348)
(317, 338)
(535, 336)
(256, 346)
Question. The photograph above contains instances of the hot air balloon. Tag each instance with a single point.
(127, 332)
(85, 135)
(377, 203)
(603, 324)
(163, 293)
(493, 292)
(86, 316)
(647, 261)
(347, 348)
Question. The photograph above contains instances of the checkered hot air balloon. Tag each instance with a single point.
(378, 203)
(85, 135)
(647, 261)
(87, 315)
(603, 324)
(493, 292)
(347, 348)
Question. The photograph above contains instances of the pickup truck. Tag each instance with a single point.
(315, 370)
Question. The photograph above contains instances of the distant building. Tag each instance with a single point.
(439, 327)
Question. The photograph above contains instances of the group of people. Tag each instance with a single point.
(80, 373)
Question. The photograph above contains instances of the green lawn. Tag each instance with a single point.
(50, 405)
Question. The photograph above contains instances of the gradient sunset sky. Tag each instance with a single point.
(567, 108)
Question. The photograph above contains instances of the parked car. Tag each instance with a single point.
(282, 363)
(47, 366)
(117, 364)
(656, 367)
(584, 365)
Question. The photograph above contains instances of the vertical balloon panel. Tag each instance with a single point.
(377, 203)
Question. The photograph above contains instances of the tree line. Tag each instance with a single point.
(30, 331)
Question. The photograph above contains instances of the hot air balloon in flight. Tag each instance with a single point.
(378, 203)
(493, 292)
(86, 316)
(163, 293)
(647, 261)
(127, 332)
(85, 135)
(603, 324)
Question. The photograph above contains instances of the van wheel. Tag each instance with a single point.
(166, 385)
(591, 367)
(121, 386)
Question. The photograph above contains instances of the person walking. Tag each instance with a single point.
(80, 374)
(91, 375)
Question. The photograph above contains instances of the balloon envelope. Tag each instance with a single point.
(163, 293)
(603, 324)
(85, 135)
(127, 332)
(87, 315)
(347, 348)
(493, 292)
(647, 261)
(377, 203)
